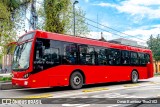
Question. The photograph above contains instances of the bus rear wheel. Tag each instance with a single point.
(134, 76)
(76, 80)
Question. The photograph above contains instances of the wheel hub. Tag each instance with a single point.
(77, 80)
(134, 77)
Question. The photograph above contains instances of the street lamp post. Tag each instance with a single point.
(75, 2)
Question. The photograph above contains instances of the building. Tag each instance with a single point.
(7, 58)
(157, 67)
(7, 62)
(127, 42)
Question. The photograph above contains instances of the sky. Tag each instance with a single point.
(137, 18)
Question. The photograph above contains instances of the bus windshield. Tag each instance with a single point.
(21, 56)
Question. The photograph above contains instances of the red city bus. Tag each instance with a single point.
(44, 59)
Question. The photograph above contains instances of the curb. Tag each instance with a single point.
(7, 86)
(5, 75)
(95, 89)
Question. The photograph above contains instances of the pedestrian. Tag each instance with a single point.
(5, 70)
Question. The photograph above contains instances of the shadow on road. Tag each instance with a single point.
(67, 88)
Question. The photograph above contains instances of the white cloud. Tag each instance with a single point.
(86, 1)
(144, 34)
(140, 35)
(143, 2)
(108, 36)
(137, 7)
(97, 35)
(105, 5)
(139, 10)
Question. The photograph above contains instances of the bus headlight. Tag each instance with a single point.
(25, 82)
(26, 75)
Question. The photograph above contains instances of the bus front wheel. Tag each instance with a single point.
(134, 76)
(76, 80)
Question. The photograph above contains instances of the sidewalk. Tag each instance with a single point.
(6, 75)
(7, 85)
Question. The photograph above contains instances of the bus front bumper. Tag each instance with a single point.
(20, 82)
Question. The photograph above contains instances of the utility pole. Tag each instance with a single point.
(101, 35)
(97, 23)
(74, 20)
(33, 17)
(102, 39)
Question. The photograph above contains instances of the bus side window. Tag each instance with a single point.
(114, 57)
(70, 54)
(51, 55)
(46, 54)
(39, 50)
(91, 55)
(110, 57)
(87, 55)
(141, 58)
(134, 58)
(125, 57)
(147, 58)
(102, 56)
(83, 54)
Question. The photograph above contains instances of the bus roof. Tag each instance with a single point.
(89, 41)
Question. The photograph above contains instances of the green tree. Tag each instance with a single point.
(81, 28)
(5, 28)
(57, 16)
(8, 16)
(154, 44)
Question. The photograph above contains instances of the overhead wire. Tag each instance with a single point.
(128, 35)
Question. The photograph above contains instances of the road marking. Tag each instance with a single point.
(40, 96)
(75, 105)
(154, 82)
(95, 89)
(66, 94)
(83, 92)
(117, 95)
(114, 105)
(131, 85)
(70, 105)
(84, 105)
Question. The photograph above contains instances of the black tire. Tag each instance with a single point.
(76, 80)
(134, 76)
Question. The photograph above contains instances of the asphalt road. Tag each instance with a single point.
(149, 88)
